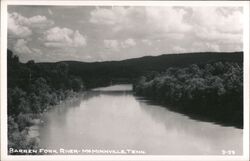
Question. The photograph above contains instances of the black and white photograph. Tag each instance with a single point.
(132, 80)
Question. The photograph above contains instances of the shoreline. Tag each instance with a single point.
(31, 132)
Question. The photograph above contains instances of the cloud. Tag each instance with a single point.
(25, 52)
(221, 24)
(141, 20)
(205, 46)
(215, 35)
(63, 37)
(121, 32)
(216, 18)
(16, 29)
(21, 27)
(213, 47)
(21, 47)
(117, 45)
(111, 44)
(39, 22)
(107, 16)
(147, 42)
(37, 51)
(178, 49)
(128, 43)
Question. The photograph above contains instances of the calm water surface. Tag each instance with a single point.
(113, 118)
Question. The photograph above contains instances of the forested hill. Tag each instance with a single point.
(98, 73)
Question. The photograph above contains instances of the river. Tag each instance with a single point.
(113, 118)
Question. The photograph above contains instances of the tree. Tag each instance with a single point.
(77, 84)
(16, 101)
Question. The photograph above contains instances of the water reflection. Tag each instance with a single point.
(195, 136)
(112, 118)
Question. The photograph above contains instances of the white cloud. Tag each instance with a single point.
(16, 29)
(63, 37)
(117, 45)
(205, 46)
(21, 47)
(214, 25)
(111, 44)
(39, 22)
(107, 16)
(215, 18)
(222, 37)
(78, 39)
(140, 30)
(167, 19)
(224, 25)
(146, 41)
(128, 43)
(37, 51)
(213, 47)
(178, 49)
(25, 52)
(141, 21)
(21, 27)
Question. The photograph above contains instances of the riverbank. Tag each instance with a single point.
(32, 90)
(33, 130)
(213, 92)
(24, 129)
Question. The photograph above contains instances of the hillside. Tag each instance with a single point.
(127, 70)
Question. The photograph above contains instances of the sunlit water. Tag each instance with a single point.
(113, 118)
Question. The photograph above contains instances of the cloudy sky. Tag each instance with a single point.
(98, 33)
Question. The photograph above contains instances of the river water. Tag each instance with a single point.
(113, 118)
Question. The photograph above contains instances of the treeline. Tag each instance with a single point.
(102, 73)
(213, 91)
(32, 89)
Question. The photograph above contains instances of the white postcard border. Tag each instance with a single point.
(3, 58)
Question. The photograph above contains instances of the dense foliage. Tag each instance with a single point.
(32, 89)
(213, 91)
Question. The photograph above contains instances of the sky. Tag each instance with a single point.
(104, 33)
